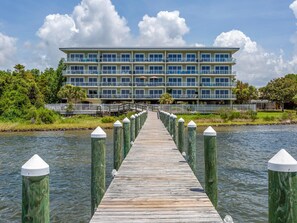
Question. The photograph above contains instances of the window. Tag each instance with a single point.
(139, 91)
(76, 81)
(156, 69)
(173, 81)
(191, 81)
(222, 93)
(92, 57)
(109, 81)
(174, 69)
(157, 57)
(93, 70)
(205, 93)
(125, 57)
(205, 69)
(110, 92)
(222, 81)
(191, 69)
(92, 81)
(92, 93)
(205, 57)
(109, 57)
(221, 69)
(139, 69)
(191, 92)
(125, 79)
(176, 93)
(156, 92)
(139, 57)
(156, 79)
(205, 81)
(125, 69)
(174, 57)
(125, 91)
(191, 57)
(109, 69)
(77, 69)
(222, 57)
(139, 80)
(76, 57)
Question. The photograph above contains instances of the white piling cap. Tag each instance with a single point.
(210, 132)
(171, 115)
(117, 124)
(35, 167)
(98, 133)
(181, 120)
(132, 117)
(136, 115)
(126, 120)
(174, 116)
(282, 162)
(192, 124)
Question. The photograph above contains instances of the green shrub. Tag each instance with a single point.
(268, 118)
(107, 119)
(46, 116)
(252, 114)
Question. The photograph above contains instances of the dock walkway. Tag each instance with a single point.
(155, 184)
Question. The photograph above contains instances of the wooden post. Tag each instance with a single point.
(139, 123)
(210, 158)
(136, 125)
(132, 128)
(98, 166)
(35, 190)
(192, 145)
(117, 145)
(174, 117)
(282, 188)
(170, 124)
(181, 135)
(127, 138)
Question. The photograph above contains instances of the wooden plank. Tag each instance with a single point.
(155, 184)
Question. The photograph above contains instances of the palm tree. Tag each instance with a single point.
(72, 94)
(166, 98)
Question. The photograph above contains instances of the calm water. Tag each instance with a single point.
(243, 153)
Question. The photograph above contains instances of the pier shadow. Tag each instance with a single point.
(196, 189)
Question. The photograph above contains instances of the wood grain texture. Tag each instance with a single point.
(155, 184)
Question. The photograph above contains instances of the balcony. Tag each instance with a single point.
(107, 84)
(174, 72)
(217, 84)
(145, 84)
(115, 96)
(140, 72)
(217, 72)
(147, 96)
(83, 84)
(82, 60)
(181, 84)
(185, 96)
(92, 96)
(80, 72)
(218, 96)
(217, 60)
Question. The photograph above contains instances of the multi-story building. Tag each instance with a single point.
(189, 74)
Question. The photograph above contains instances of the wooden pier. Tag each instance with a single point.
(155, 184)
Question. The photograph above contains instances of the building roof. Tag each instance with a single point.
(215, 49)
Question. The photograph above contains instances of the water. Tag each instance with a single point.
(243, 153)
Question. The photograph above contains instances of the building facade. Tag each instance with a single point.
(189, 74)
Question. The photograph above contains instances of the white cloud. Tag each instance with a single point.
(167, 28)
(293, 6)
(254, 65)
(7, 51)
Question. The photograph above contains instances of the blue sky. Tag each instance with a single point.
(32, 31)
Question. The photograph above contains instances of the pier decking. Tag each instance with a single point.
(155, 184)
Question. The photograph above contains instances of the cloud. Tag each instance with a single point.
(92, 23)
(254, 65)
(166, 29)
(7, 51)
(293, 6)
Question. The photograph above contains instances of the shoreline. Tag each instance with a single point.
(110, 126)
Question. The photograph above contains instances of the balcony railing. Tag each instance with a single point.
(184, 95)
(92, 96)
(93, 60)
(80, 72)
(214, 72)
(139, 84)
(105, 84)
(83, 84)
(218, 96)
(182, 84)
(217, 84)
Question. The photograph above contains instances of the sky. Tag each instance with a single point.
(31, 31)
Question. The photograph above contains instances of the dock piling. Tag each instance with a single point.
(35, 190)
(117, 145)
(132, 128)
(126, 136)
(210, 158)
(192, 145)
(136, 125)
(98, 166)
(282, 188)
(181, 135)
(174, 117)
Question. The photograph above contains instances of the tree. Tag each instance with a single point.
(245, 92)
(166, 98)
(281, 90)
(72, 93)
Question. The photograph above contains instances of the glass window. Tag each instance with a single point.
(139, 91)
(125, 79)
(109, 79)
(156, 79)
(92, 57)
(205, 57)
(156, 69)
(76, 57)
(139, 57)
(109, 69)
(176, 91)
(191, 91)
(125, 57)
(157, 57)
(222, 92)
(112, 92)
(93, 79)
(191, 81)
(139, 80)
(76, 79)
(92, 91)
(191, 69)
(93, 70)
(156, 92)
(109, 57)
(205, 69)
(191, 57)
(205, 93)
(77, 69)
(205, 81)
(222, 57)
(125, 91)
(125, 69)
(221, 69)
(174, 69)
(174, 57)
(139, 69)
